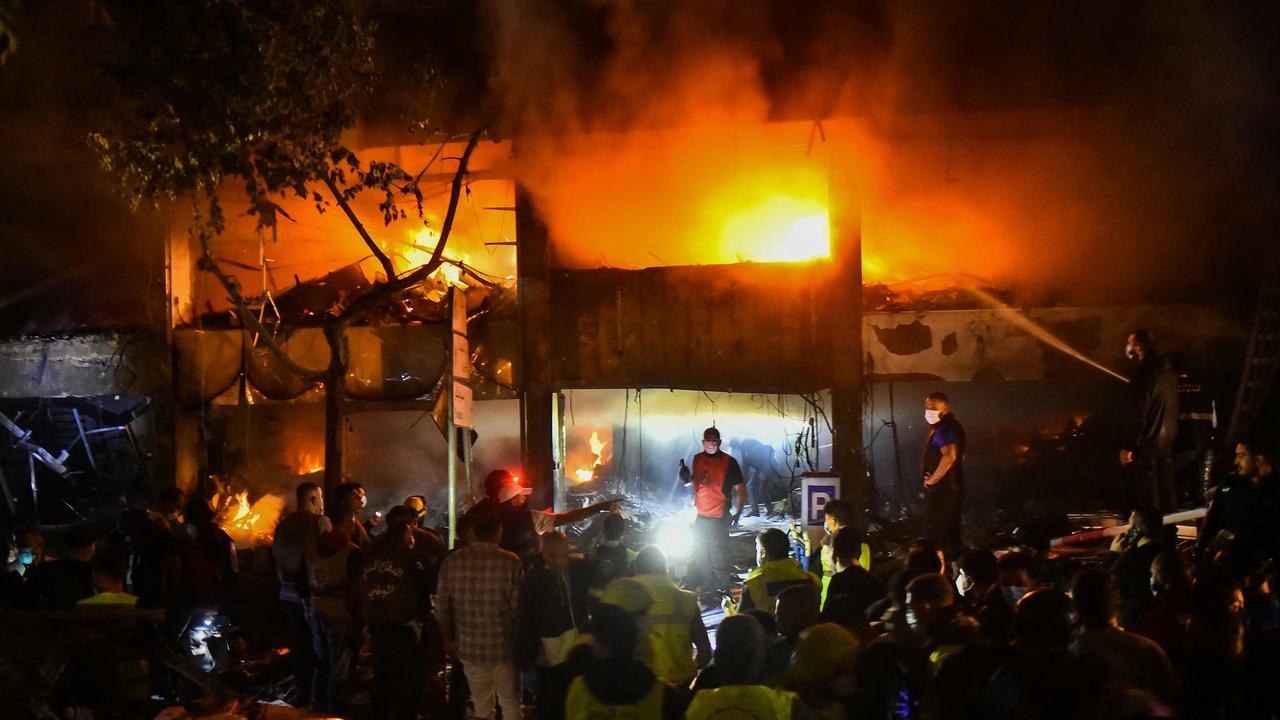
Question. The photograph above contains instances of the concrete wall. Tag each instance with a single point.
(963, 345)
(88, 364)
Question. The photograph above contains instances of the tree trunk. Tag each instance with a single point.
(332, 433)
(335, 335)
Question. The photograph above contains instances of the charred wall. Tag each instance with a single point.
(734, 328)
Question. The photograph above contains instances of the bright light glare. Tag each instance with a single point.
(673, 537)
(808, 238)
(779, 229)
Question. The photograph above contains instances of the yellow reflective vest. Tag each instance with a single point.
(581, 704)
(741, 702)
(766, 582)
(666, 646)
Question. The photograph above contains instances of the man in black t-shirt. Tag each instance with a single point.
(852, 589)
(943, 467)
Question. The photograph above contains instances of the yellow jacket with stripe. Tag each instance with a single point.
(665, 626)
(765, 583)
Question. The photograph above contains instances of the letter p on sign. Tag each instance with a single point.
(815, 493)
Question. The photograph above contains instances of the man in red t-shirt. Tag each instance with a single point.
(714, 477)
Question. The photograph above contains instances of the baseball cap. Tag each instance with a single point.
(512, 488)
(627, 593)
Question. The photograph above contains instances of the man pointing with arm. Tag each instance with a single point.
(522, 527)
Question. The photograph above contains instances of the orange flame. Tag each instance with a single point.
(418, 251)
(308, 462)
(586, 470)
(249, 525)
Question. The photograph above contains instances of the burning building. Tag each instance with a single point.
(816, 226)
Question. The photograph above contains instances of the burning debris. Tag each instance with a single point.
(249, 524)
(309, 302)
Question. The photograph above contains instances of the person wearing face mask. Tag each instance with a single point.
(1016, 571)
(938, 626)
(343, 509)
(943, 466)
(1150, 427)
(715, 476)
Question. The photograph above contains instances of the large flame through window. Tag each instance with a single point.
(589, 449)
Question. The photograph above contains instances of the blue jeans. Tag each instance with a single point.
(336, 642)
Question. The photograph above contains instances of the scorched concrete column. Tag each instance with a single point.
(535, 374)
(844, 323)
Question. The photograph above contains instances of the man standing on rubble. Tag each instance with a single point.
(943, 466)
(715, 476)
(1151, 426)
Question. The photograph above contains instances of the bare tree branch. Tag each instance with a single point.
(249, 319)
(385, 261)
(383, 292)
(418, 178)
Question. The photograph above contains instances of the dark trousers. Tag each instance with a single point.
(1193, 472)
(297, 623)
(707, 562)
(398, 675)
(943, 509)
(755, 492)
(336, 644)
(1152, 482)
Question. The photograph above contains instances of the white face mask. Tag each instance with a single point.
(710, 448)
(932, 416)
(913, 622)
(964, 584)
(1131, 352)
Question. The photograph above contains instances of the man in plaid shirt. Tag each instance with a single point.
(476, 601)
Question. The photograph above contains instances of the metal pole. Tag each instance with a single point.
(88, 451)
(8, 496)
(468, 476)
(557, 452)
(35, 491)
(451, 433)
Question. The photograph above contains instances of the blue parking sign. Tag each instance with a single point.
(815, 493)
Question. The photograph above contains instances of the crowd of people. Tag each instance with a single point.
(511, 621)
(1153, 630)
